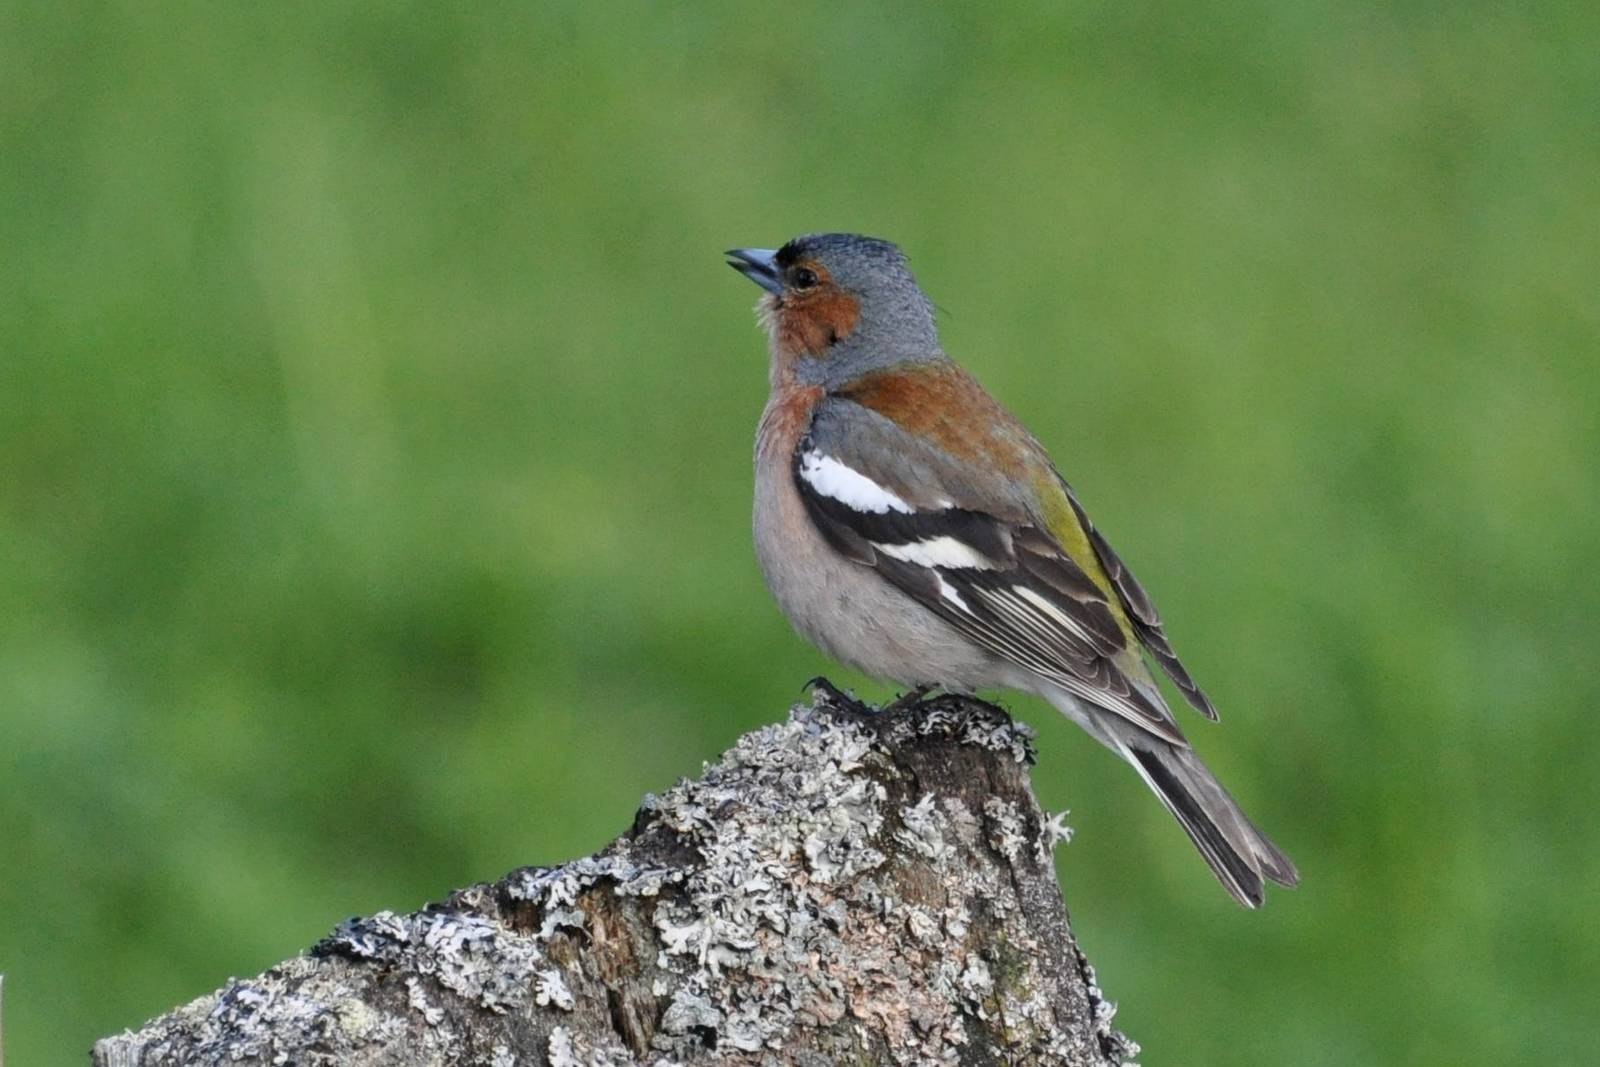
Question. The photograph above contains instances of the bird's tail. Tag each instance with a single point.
(1239, 854)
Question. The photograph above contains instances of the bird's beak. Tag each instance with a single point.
(758, 265)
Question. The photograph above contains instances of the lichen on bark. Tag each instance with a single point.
(845, 887)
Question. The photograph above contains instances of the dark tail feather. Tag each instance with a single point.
(1239, 854)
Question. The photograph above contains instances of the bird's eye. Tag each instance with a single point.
(804, 278)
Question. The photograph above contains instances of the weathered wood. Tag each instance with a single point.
(847, 887)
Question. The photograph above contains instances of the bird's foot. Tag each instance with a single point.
(909, 699)
(835, 698)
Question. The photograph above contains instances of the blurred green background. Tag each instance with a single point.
(375, 421)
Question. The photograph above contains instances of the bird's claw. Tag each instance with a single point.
(909, 699)
(834, 697)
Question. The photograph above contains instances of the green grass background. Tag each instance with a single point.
(375, 421)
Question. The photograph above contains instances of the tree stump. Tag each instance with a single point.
(847, 887)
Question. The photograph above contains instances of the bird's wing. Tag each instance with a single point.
(1141, 611)
(930, 513)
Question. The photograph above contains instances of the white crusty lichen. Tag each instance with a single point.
(1118, 1047)
(474, 957)
(1007, 830)
(551, 988)
(1053, 833)
(921, 828)
(557, 888)
(266, 1019)
(567, 1047)
(997, 733)
(780, 824)
(431, 1013)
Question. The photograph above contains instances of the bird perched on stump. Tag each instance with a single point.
(912, 528)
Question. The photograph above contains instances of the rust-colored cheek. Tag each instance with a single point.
(812, 321)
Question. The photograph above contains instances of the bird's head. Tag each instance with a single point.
(839, 305)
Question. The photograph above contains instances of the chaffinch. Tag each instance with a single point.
(910, 527)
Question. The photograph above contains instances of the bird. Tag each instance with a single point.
(912, 528)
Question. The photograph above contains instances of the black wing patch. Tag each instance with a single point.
(973, 529)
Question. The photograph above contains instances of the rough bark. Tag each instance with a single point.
(843, 888)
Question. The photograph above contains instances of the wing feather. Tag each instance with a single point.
(1143, 614)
